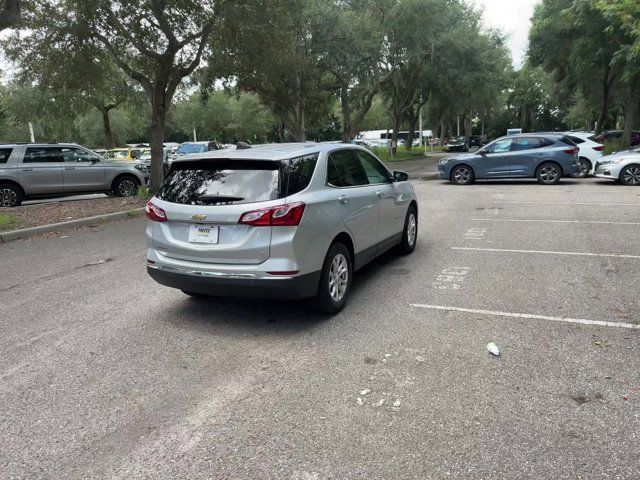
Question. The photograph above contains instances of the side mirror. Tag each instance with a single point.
(400, 176)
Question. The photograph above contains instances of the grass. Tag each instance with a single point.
(384, 154)
(132, 214)
(143, 193)
(8, 220)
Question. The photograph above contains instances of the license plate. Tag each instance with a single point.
(203, 233)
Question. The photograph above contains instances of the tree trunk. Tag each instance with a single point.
(604, 106)
(397, 123)
(108, 133)
(299, 129)
(630, 115)
(412, 120)
(158, 119)
(346, 116)
(443, 129)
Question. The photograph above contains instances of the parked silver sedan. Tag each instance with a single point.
(283, 221)
(623, 167)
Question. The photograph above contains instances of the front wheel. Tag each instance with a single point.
(335, 280)
(548, 174)
(462, 175)
(410, 232)
(630, 175)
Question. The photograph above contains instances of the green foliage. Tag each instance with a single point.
(615, 145)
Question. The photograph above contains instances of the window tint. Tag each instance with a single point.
(5, 153)
(78, 155)
(576, 140)
(568, 141)
(297, 173)
(348, 171)
(42, 155)
(375, 171)
(500, 146)
(222, 182)
(530, 143)
(593, 138)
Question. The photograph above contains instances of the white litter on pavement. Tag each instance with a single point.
(493, 349)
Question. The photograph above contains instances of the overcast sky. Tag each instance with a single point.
(513, 17)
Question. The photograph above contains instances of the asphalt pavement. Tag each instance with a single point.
(105, 374)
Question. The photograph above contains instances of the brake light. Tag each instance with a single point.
(599, 148)
(288, 215)
(155, 213)
(572, 151)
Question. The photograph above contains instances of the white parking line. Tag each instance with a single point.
(568, 203)
(582, 321)
(552, 221)
(579, 254)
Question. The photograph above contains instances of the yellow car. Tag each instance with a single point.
(124, 153)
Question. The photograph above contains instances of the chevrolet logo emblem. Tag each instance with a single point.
(198, 216)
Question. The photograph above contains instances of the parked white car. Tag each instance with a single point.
(590, 151)
(623, 167)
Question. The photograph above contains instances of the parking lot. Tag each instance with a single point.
(106, 374)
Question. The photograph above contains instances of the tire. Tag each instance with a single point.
(630, 175)
(548, 173)
(126, 186)
(338, 266)
(585, 168)
(410, 232)
(10, 195)
(462, 175)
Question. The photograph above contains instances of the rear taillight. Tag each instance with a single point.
(599, 148)
(572, 151)
(288, 215)
(155, 213)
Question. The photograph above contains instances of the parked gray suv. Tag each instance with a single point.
(31, 170)
(277, 221)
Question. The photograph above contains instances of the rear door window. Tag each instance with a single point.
(530, 143)
(5, 153)
(221, 182)
(344, 170)
(43, 155)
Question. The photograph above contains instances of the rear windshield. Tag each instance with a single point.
(5, 153)
(233, 182)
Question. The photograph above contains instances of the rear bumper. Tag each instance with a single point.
(238, 285)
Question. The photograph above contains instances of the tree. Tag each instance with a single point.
(53, 56)
(157, 43)
(10, 14)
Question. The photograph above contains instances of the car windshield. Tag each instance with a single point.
(458, 139)
(227, 182)
(118, 154)
(192, 148)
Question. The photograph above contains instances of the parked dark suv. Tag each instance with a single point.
(29, 170)
(617, 134)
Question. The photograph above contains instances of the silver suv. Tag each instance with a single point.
(284, 221)
(29, 170)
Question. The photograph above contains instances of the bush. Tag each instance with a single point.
(612, 146)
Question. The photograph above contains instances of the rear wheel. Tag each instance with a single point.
(630, 175)
(10, 195)
(548, 174)
(585, 168)
(125, 186)
(410, 232)
(462, 175)
(335, 280)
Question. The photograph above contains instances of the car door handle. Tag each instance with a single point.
(380, 194)
(343, 199)
(27, 169)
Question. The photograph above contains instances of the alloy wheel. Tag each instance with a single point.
(585, 167)
(462, 175)
(127, 188)
(631, 175)
(412, 228)
(549, 174)
(8, 197)
(338, 277)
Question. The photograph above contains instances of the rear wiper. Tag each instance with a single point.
(219, 198)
